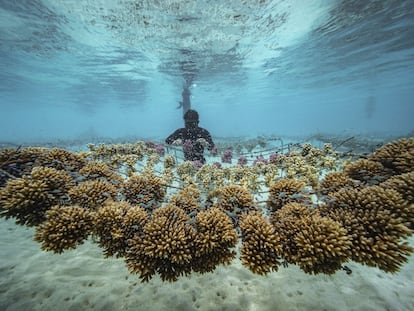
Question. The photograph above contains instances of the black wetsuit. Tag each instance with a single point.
(196, 151)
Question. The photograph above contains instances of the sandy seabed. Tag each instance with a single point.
(82, 279)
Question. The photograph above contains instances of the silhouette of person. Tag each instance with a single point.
(192, 137)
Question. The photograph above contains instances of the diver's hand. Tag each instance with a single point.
(177, 142)
(203, 142)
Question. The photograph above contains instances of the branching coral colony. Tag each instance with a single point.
(311, 207)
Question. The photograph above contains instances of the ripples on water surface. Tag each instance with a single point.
(257, 66)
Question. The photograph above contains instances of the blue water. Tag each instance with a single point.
(75, 69)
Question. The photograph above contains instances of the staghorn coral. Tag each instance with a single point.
(376, 219)
(25, 200)
(238, 172)
(307, 164)
(65, 228)
(93, 193)
(259, 166)
(187, 198)
(168, 176)
(146, 190)
(286, 221)
(117, 222)
(329, 162)
(61, 159)
(58, 182)
(129, 161)
(234, 200)
(403, 184)
(250, 176)
(117, 153)
(317, 244)
(335, 181)
(99, 170)
(152, 160)
(327, 149)
(299, 167)
(261, 245)
(314, 155)
(271, 174)
(306, 149)
(322, 245)
(210, 177)
(169, 161)
(121, 156)
(397, 155)
(28, 198)
(15, 163)
(367, 227)
(286, 190)
(366, 171)
(215, 239)
(165, 246)
(186, 170)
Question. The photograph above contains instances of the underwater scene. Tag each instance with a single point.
(249, 155)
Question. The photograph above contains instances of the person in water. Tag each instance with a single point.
(192, 137)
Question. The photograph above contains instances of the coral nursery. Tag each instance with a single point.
(312, 207)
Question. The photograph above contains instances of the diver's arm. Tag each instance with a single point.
(174, 136)
(207, 137)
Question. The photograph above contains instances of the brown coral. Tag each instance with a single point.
(261, 245)
(335, 181)
(286, 190)
(146, 190)
(397, 155)
(165, 246)
(317, 244)
(187, 198)
(215, 240)
(368, 225)
(117, 153)
(169, 161)
(93, 193)
(376, 219)
(235, 200)
(61, 159)
(186, 169)
(28, 198)
(117, 222)
(65, 228)
(403, 184)
(322, 245)
(57, 181)
(366, 171)
(100, 170)
(286, 222)
(17, 162)
(306, 149)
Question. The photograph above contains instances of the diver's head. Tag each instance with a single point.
(191, 118)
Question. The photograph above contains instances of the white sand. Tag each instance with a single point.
(31, 279)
